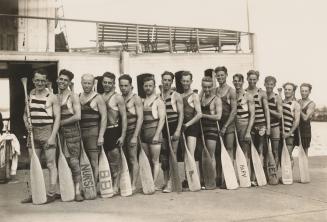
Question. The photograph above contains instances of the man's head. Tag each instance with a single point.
(167, 79)
(149, 85)
(207, 85)
(87, 82)
(209, 72)
(221, 74)
(270, 83)
(108, 81)
(305, 90)
(252, 77)
(238, 81)
(125, 84)
(186, 80)
(64, 79)
(40, 79)
(289, 90)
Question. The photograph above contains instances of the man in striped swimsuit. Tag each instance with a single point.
(261, 127)
(211, 113)
(244, 117)
(307, 110)
(116, 125)
(45, 118)
(175, 115)
(69, 130)
(93, 122)
(276, 111)
(291, 114)
(227, 122)
(154, 112)
(134, 115)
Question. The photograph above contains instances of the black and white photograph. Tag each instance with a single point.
(163, 110)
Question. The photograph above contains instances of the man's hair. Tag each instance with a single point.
(220, 68)
(306, 85)
(125, 77)
(239, 76)
(67, 73)
(270, 79)
(207, 79)
(169, 74)
(41, 71)
(208, 72)
(109, 75)
(290, 84)
(253, 72)
(149, 78)
(187, 73)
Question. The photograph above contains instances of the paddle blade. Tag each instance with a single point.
(124, 178)
(271, 167)
(303, 166)
(39, 194)
(88, 184)
(286, 166)
(257, 166)
(146, 174)
(66, 184)
(242, 168)
(209, 171)
(105, 179)
(173, 166)
(228, 169)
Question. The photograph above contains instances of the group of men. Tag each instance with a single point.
(116, 120)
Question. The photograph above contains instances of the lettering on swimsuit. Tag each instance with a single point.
(87, 177)
(105, 182)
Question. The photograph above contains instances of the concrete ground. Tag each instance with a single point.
(297, 202)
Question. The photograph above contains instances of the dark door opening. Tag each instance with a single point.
(15, 70)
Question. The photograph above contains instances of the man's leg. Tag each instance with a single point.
(290, 147)
(155, 153)
(114, 163)
(90, 137)
(164, 158)
(133, 164)
(50, 155)
(211, 145)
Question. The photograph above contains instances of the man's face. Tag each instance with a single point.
(252, 80)
(63, 82)
(288, 91)
(87, 84)
(148, 87)
(108, 84)
(238, 83)
(207, 87)
(125, 86)
(40, 81)
(305, 92)
(166, 82)
(270, 85)
(221, 77)
(186, 82)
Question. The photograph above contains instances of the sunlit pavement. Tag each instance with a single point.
(297, 202)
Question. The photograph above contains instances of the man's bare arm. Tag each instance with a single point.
(233, 103)
(180, 111)
(266, 110)
(123, 115)
(139, 113)
(251, 113)
(56, 115)
(279, 112)
(218, 110)
(103, 114)
(162, 117)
